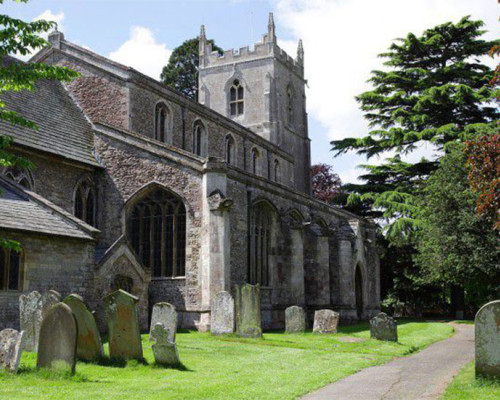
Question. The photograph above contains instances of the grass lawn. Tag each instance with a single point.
(465, 386)
(277, 366)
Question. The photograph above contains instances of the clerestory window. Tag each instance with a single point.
(162, 123)
(236, 95)
(230, 150)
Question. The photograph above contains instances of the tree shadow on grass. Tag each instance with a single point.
(115, 362)
(53, 375)
(178, 366)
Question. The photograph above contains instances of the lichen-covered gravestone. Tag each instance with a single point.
(11, 348)
(49, 298)
(326, 321)
(487, 334)
(123, 325)
(164, 350)
(57, 342)
(165, 314)
(247, 306)
(89, 345)
(222, 314)
(383, 327)
(30, 315)
(295, 319)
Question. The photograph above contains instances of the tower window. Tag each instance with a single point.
(162, 118)
(289, 95)
(230, 150)
(236, 94)
(85, 202)
(10, 270)
(157, 231)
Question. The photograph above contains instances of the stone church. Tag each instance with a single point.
(137, 187)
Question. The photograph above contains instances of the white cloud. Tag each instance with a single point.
(342, 39)
(48, 15)
(142, 52)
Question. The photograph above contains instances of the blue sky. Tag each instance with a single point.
(341, 41)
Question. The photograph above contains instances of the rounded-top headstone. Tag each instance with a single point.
(58, 336)
(326, 321)
(384, 327)
(222, 314)
(295, 319)
(50, 298)
(89, 345)
(11, 348)
(165, 314)
(487, 336)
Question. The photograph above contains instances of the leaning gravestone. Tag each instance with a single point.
(89, 345)
(295, 319)
(123, 325)
(164, 350)
(58, 336)
(383, 327)
(222, 314)
(486, 325)
(11, 348)
(247, 306)
(326, 321)
(30, 316)
(165, 314)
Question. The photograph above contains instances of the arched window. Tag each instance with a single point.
(21, 176)
(289, 105)
(157, 232)
(255, 161)
(230, 150)
(236, 94)
(277, 172)
(10, 270)
(262, 218)
(85, 202)
(199, 139)
(162, 123)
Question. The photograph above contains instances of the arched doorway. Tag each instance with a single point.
(358, 287)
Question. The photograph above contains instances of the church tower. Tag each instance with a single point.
(262, 89)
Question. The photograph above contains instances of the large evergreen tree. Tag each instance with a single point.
(433, 90)
(19, 37)
(181, 72)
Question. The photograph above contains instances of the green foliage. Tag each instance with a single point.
(19, 37)
(181, 72)
(466, 386)
(456, 247)
(433, 88)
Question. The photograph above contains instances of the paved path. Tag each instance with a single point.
(423, 375)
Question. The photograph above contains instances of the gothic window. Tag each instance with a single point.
(255, 161)
(10, 270)
(157, 232)
(21, 176)
(162, 122)
(277, 172)
(230, 150)
(289, 106)
(85, 202)
(199, 139)
(236, 94)
(260, 244)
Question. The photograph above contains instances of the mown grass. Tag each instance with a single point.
(466, 386)
(277, 366)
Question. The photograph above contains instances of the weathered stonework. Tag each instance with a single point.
(222, 314)
(11, 348)
(383, 327)
(247, 310)
(326, 321)
(295, 319)
(166, 315)
(487, 340)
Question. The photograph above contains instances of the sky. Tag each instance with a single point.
(341, 41)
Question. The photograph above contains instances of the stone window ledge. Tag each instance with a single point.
(10, 293)
(168, 278)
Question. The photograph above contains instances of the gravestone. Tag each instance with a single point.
(487, 337)
(295, 319)
(164, 350)
(89, 345)
(165, 314)
(383, 327)
(57, 342)
(49, 298)
(222, 314)
(326, 321)
(123, 325)
(30, 317)
(11, 348)
(247, 307)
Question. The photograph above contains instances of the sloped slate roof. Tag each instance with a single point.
(63, 129)
(18, 211)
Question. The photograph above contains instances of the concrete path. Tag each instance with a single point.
(424, 375)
